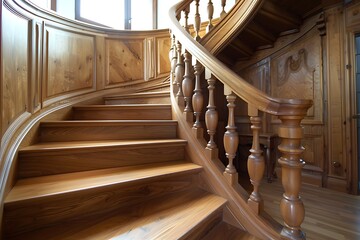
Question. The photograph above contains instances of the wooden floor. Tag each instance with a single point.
(328, 214)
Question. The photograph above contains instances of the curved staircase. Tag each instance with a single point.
(113, 171)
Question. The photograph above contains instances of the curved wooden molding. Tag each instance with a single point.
(239, 86)
(239, 16)
(237, 197)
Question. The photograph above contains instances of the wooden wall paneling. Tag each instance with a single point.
(36, 66)
(69, 60)
(100, 62)
(352, 22)
(257, 75)
(124, 61)
(296, 72)
(163, 45)
(337, 164)
(15, 66)
(149, 63)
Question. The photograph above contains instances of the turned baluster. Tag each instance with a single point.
(173, 60)
(223, 13)
(198, 98)
(291, 205)
(188, 82)
(197, 21)
(256, 164)
(211, 115)
(210, 9)
(179, 70)
(231, 138)
(186, 16)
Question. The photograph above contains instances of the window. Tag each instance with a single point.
(117, 14)
(45, 4)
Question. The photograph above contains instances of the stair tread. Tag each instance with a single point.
(165, 218)
(49, 146)
(37, 187)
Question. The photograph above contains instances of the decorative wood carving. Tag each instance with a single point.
(197, 21)
(291, 206)
(179, 70)
(124, 60)
(231, 139)
(210, 10)
(256, 164)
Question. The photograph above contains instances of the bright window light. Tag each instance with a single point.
(106, 12)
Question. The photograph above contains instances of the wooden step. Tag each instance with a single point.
(64, 157)
(93, 130)
(123, 112)
(162, 97)
(183, 215)
(42, 201)
(226, 231)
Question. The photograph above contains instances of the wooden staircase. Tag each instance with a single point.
(113, 171)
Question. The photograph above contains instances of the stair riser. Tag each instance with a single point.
(100, 132)
(88, 204)
(70, 160)
(125, 114)
(149, 100)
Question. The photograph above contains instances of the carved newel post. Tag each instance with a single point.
(231, 138)
(291, 206)
(256, 164)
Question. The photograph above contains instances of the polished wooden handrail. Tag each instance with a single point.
(247, 92)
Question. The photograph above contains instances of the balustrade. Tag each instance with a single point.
(289, 112)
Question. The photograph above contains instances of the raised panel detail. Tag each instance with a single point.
(163, 61)
(297, 74)
(69, 61)
(124, 61)
(15, 67)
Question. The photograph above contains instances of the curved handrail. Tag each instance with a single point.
(247, 92)
(238, 18)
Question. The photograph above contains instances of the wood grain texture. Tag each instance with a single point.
(226, 231)
(107, 130)
(122, 112)
(15, 78)
(161, 218)
(65, 157)
(139, 98)
(163, 47)
(124, 60)
(87, 206)
(329, 215)
(69, 62)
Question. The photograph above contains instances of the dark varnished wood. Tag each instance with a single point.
(123, 112)
(65, 157)
(107, 130)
